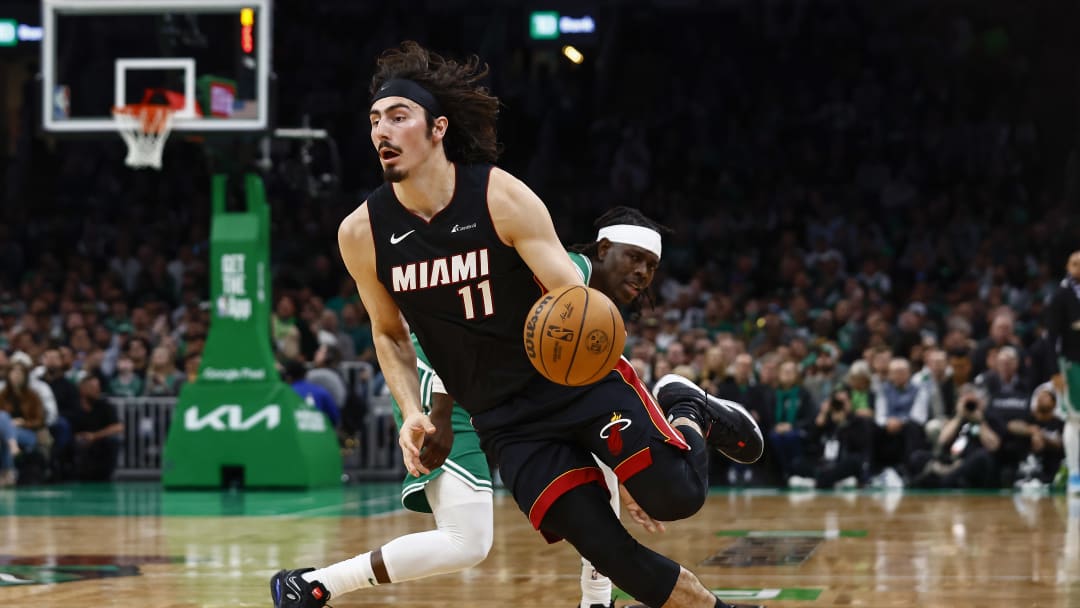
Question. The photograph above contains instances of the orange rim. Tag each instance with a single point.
(153, 117)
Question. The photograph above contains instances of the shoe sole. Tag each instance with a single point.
(753, 423)
(717, 402)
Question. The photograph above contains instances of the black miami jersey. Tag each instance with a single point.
(464, 293)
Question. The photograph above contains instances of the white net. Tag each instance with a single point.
(144, 127)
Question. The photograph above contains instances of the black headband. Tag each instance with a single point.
(401, 87)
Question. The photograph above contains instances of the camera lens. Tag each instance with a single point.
(971, 405)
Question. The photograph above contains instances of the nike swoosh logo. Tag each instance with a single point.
(395, 239)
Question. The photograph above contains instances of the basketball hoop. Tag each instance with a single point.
(144, 127)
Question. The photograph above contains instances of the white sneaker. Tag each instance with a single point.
(888, 479)
(1030, 486)
(846, 483)
(801, 483)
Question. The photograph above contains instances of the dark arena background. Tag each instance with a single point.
(873, 207)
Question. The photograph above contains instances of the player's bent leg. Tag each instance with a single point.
(464, 534)
(582, 517)
(595, 587)
(463, 537)
(675, 485)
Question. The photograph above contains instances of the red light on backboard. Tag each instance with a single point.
(247, 34)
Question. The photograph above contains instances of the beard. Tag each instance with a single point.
(394, 175)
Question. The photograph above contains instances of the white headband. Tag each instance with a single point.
(639, 236)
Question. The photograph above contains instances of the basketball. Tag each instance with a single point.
(574, 335)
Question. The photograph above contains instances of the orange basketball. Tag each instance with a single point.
(574, 335)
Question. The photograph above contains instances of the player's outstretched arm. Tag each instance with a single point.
(523, 222)
(389, 333)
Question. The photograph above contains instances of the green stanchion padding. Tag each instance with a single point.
(238, 414)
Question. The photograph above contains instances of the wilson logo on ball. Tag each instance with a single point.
(530, 326)
(574, 335)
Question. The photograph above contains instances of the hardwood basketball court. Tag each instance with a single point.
(135, 545)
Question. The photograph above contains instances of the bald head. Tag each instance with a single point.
(899, 371)
(1073, 266)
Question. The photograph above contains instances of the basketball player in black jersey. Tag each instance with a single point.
(457, 251)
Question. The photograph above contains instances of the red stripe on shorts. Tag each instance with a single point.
(559, 486)
(670, 433)
(633, 465)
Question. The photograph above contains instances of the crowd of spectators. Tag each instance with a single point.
(871, 204)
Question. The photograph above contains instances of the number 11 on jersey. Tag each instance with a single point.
(484, 287)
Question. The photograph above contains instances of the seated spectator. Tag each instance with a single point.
(162, 377)
(192, 362)
(965, 449)
(936, 378)
(1002, 334)
(138, 349)
(1009, 399)
(1042, 429)
(793, 413)
(39, 386)
(859, 382)
(739, 386)
(325, 373)
(825, 374)
(97, 433)
(126, 383)
(837, 446)
(9, 449)
(295, 374)
(24, 408)
(900, 408)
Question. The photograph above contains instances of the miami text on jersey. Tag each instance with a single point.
(457, 268)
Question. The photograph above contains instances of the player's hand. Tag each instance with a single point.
(411, 438)
(638, 514)
(437, 446)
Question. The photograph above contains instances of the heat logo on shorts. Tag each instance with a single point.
(612, 432)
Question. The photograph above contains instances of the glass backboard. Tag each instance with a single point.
(209, 59)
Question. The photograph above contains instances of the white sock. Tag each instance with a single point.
(1072, 445)
(595, 587)
(343, 577)
(463, 537)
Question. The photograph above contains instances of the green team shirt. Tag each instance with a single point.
(583, 265)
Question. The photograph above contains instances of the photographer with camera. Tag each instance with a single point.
(965, 449)
(837, 446)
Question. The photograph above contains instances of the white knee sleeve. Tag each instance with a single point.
(463, 537)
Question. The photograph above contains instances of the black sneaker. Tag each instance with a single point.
(731, 430)
(288, 589)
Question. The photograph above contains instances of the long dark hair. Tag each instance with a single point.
(470, 107)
